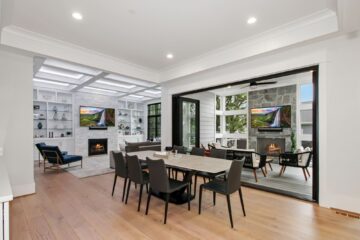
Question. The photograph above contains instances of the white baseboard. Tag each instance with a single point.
(25, 189)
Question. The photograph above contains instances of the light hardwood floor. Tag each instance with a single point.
(66, 207)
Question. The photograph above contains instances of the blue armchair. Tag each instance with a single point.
(56, 158)
(39, 146)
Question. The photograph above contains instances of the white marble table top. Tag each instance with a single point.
(191, 162)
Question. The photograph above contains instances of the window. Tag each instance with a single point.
(236, 102)
(218, 102)
(236, 123)
(154, 120)
(218, 123)
(306, 93)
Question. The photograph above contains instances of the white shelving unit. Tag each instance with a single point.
(54, 110)
(130, 122)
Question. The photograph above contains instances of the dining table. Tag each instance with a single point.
(189, 164)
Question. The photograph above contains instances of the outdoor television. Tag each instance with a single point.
(271, 117)
(97, 117)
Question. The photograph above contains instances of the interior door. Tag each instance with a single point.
(186, 122)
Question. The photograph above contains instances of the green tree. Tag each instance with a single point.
(236, 102)
(236, 123)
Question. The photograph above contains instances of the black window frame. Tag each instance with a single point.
(155, 116)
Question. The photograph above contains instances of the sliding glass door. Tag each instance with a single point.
(186, 122)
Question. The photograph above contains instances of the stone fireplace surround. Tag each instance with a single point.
(273, 97)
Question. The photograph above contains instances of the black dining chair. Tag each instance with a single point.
(231, 185)
(120, 170)
(160, 183)
(136, 175)
(218, 153)
(197, 151)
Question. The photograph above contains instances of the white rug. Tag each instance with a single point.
(92, 167)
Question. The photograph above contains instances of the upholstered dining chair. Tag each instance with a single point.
(160, 183)
(197, 151)
(120, 170)
(227, 187)
(136, 175)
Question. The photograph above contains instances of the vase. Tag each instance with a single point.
(39, 125)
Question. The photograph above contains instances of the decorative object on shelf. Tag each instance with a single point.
(36, 107)
(121, 126)
(36, 116)
(64, 117)
(42, 116)
(62, 135)
(140, 120)
(68, 133)
(40, 125)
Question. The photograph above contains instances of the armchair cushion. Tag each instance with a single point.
(71, 158)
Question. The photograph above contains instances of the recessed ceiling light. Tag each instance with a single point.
(169, 56)
(152, 91)
(115, 84)
(77, 16)
(251, 20)
(51, 82)
(100, 89)
(135, 96)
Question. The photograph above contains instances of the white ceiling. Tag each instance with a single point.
(143, 31)
(60, 75)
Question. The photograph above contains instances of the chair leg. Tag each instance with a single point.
(124, 188)
(284, 170)
(166, 206)
(270, 166)
(147, 188)
(195, 182)
(81, 163)
(304, 174)
(254, 170)
(214, 198)
(188, 195)
(242, 201)
(39, 160)
(307, 170)
(229, 208)
(204, 179)
(114, 185)
(282, 167)
(127, 192)
(200, 197)
(263, 172)
(148, 202)
(141, 190)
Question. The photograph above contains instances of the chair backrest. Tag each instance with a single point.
(234, 177)
(218, 153)
(52, 154)
(120, 164)
(180, 149)
(39, 147)
(134, 169)
(158, 177)
(197, 151)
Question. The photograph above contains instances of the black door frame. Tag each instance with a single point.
(177, 136)
(315, 136)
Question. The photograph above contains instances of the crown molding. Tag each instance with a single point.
(23, 39)
(313, 26)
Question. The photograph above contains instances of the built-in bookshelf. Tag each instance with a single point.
(52, 114)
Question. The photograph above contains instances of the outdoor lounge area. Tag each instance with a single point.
(135, 119)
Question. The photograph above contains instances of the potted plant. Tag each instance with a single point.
(293, 141)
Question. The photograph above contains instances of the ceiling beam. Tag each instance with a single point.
(90, 81)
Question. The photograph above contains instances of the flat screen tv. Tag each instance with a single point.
(97, 117)
(271, 117)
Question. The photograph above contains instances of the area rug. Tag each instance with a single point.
(91, 167)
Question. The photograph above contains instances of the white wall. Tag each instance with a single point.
(16, 121)
(207, 116)
(339, 89)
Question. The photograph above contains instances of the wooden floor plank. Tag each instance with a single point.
(66, 207)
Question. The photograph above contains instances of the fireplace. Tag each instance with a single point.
(97, 146)
(271, 146)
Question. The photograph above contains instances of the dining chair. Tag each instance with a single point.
(197, 151)
(180, 149)
(160, 183)
(227, 187)
(120, 170)
(136, 175)
(217, 153)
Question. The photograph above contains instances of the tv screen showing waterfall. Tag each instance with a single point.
(271, 117)
(97, 117)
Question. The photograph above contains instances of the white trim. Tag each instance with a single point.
(20, 38)
(25, 189)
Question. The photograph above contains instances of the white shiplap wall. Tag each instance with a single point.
(207, 116)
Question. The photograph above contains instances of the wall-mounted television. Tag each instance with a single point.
(97, 117)
(271, 117)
